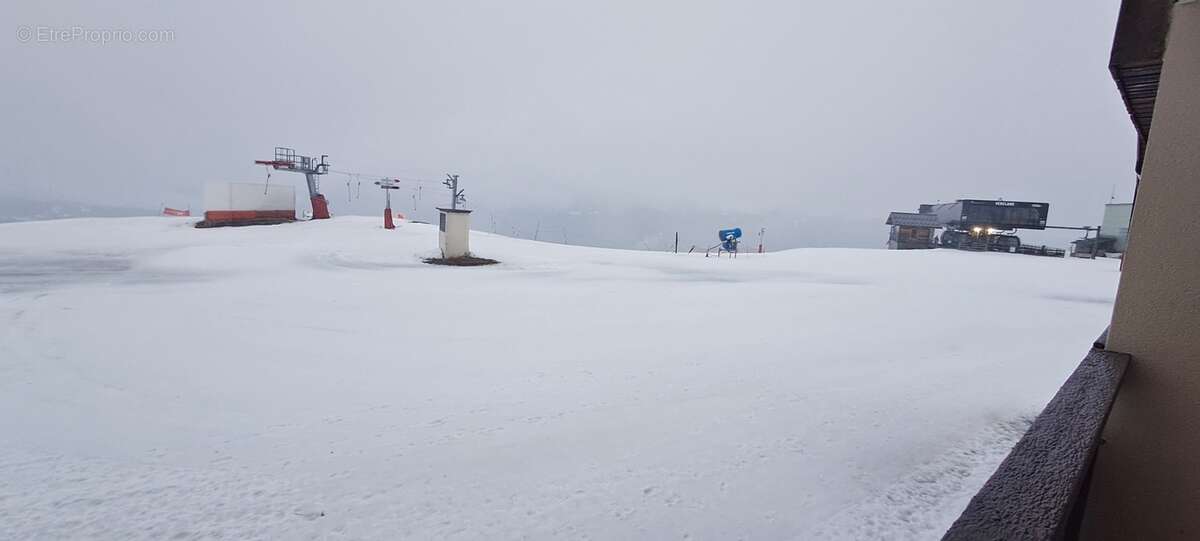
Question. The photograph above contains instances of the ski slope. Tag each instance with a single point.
(317, 381)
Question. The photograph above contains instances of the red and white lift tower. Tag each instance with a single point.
(388, 184)
(286, 159)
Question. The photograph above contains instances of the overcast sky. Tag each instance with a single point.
(845, 110)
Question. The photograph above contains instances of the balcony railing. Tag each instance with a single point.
(1039, 491)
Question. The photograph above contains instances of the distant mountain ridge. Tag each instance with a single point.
(20, 209)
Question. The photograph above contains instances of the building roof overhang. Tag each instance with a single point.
(912, 219)
(1136, 61)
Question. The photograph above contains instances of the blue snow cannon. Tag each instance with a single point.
(729, 238)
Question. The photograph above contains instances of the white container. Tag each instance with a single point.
(247, 196)
(234, 203)
(454, 228)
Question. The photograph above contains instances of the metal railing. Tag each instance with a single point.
(1042, 250)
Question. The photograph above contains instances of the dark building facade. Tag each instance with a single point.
(911, 230)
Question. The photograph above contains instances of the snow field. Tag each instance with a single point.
(317, 381)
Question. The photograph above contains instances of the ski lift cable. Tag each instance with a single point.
(402, 178)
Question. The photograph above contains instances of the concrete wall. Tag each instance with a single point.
(1146, 483)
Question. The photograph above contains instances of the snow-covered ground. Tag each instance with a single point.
(316, 380)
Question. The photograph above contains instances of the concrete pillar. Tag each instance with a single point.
(1146, 482)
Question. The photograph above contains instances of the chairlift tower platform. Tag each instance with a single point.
(286, 159)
